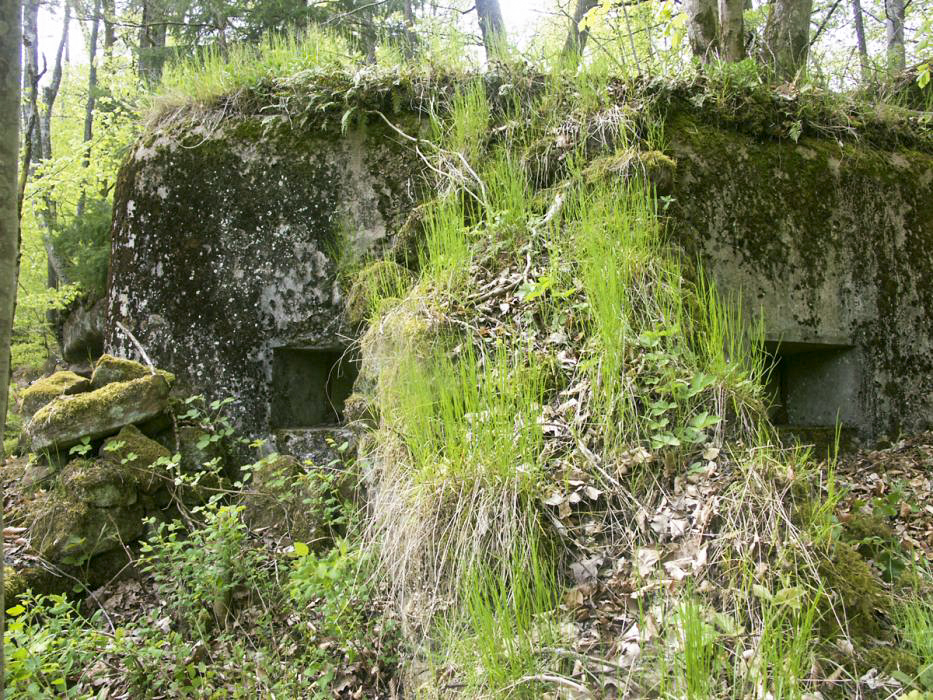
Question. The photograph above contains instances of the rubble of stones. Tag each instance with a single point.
(97, 465)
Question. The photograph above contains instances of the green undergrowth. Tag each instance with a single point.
(228, 603)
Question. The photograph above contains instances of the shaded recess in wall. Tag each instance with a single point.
(310, 386)
(812, 384)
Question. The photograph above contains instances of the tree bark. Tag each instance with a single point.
(492, 28)
(731, 30)
(151, 44)
(858, 21)
(787, 36)
(576, 38)
(91, 99)
(49, 212)
(702, 28)
(10, 67)
(31, 74)
(109, 11)
(894, 31)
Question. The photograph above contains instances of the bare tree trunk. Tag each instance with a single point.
(492, 28)
(91, 100)
(576, 38)
(50, 91)
(787, 36)
(56, 268)
(31, 75)
(702, 28)
(10, 64)
(731, 30)
(109, 10)
(894, 30)
(858, 21)
(151, 44)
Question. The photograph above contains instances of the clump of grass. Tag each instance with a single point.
(456, 496)
(212, 74)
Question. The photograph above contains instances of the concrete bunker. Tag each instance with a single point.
(815, 385)
(309, 386)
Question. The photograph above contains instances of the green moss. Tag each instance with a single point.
(99, 483)
(655, 167)
(854, 593)
(870, 534)
(10, 445)
(110, 369)
(67, 419)
(890, 659)
(136, 453)
(66, 531)
(45, 390)
(13, 584)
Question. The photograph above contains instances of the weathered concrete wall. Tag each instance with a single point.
(224, 240)
(834, 245)
(224, 246)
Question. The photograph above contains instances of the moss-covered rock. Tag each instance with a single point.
(653, 167)
(110, 369)
(284, 500)
(68, 419)
(67, 531)
(137, 453)
(50, 388)
(99, 483)
(202, 461)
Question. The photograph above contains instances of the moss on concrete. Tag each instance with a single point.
(654, 167)
(284, 500)
(68, 531)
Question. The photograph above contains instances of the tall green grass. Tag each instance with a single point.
(211, 73)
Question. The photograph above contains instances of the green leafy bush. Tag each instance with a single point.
(84, 245)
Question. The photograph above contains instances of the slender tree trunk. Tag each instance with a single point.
(731, 30)
(91, 100)
(858, 21)
(10, 62)
(576, 37)
(49, 213)
(492, 28)
(50, 91)
(702, 28)
(894, 30)
(109, 11)
(31, 74)
(152, 35)
(787, 36)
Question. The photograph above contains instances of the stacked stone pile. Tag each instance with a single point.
(99, 465)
